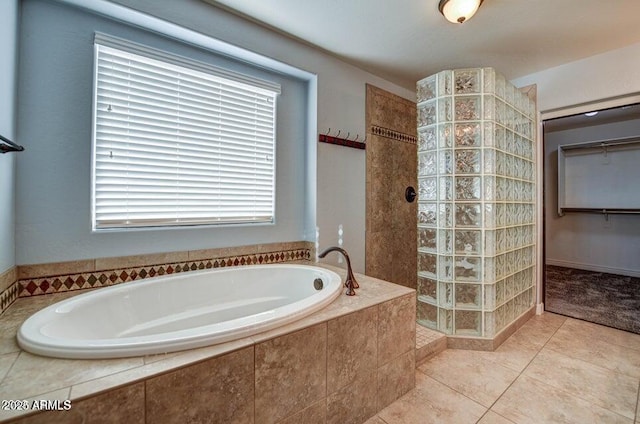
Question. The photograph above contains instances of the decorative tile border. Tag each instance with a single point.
(62, 283)
(8, 288)
(394, 135)
(8, 296)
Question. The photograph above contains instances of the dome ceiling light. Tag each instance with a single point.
(459, 11)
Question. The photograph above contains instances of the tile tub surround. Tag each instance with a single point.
(92, 273)
(344, 349)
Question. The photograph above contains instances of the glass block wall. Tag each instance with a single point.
(476, 211)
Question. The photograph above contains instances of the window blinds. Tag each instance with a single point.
(179, 145)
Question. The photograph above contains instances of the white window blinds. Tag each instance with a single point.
(179, 142)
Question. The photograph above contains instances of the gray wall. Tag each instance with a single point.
(8, 49)
(588, 241)
(54, 123)
(341, 183)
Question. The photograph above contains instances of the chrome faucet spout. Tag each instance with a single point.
(350, 282)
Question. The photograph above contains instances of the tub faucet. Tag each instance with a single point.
(350, 282)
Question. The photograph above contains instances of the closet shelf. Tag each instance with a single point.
(596, 173)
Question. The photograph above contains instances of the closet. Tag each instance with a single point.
(592, 217)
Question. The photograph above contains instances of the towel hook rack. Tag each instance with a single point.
(342, 141)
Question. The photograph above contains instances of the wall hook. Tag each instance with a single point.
(9, 146)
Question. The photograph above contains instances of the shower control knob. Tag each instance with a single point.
(410, 194)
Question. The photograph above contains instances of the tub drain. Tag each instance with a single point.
(318, 284)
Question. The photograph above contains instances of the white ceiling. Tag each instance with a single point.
(406, 40)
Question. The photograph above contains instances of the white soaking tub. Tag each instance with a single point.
(179, 311)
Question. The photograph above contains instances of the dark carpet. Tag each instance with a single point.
(607, 299)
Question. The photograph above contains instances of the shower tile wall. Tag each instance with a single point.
(476, 210)
(391, 167)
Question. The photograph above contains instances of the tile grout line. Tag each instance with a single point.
(511, 384)
(525, 367)
(451, 388)
(571, 394)
(41, 393)
(522, 372)
(489, 410)
(615, 371)
(637, 405)
(588, 323)
(144, 396)
(4, 377)
(472, 400)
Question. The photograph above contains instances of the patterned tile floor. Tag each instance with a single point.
(425, 336)
(554, 369)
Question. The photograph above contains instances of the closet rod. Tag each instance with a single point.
(604, 211)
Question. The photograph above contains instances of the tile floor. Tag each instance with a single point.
(554, 369)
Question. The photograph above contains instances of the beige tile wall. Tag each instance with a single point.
(217, 390)
(340, 371)
(290, 373)
(391, 222)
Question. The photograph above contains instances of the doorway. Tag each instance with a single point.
(592, 216)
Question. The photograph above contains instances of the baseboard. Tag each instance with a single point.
(596, 268)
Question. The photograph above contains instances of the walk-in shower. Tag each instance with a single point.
(476, 203)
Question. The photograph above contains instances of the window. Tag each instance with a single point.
(179, 142)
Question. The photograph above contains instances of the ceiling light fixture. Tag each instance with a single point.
(459, 11)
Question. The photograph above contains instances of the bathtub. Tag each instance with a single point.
(179, 311)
